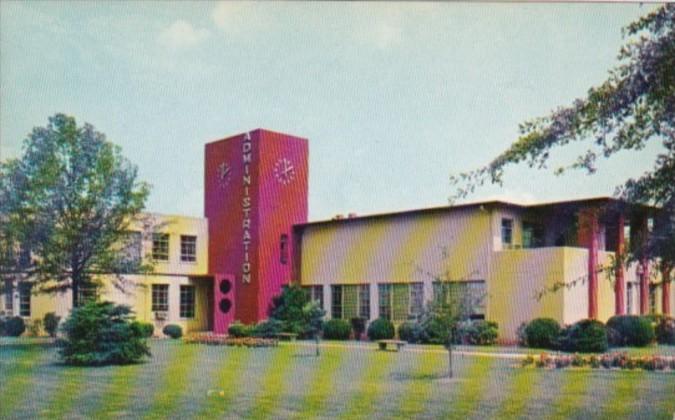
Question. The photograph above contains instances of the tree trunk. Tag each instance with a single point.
(75, 288)
(316, 340)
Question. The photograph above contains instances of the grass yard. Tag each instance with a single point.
(196, 381)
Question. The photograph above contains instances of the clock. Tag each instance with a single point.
(284, 171)
(224, 173)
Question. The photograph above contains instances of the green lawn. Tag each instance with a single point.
(354, 381)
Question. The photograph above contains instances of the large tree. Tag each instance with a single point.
(634, 107)
(66, 207)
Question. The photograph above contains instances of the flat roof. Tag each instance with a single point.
(487, 203)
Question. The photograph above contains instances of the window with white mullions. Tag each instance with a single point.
(160, 246)
(188, 248)
(24, 299)
(160, 297)
(187, 301)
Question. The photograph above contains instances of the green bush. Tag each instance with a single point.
(336, 329)
(2, 325)
(101, 333)
(630, 330)
(585, 336)
(412, 332)
(298, 313)
(172, 330)
(381, 329)
(51, 323)
(267, 329)
(239, 330)
(147, 328)
(664, 328)
(14, 326)
(478, 333)
(359, 327)
(542, 333)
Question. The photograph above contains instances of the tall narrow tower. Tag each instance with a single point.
(255, 190)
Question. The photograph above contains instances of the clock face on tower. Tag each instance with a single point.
(224, 174)
(284, 171)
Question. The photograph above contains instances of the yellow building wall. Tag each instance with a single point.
(401, 249)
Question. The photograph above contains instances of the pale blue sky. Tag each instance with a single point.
(393, 97)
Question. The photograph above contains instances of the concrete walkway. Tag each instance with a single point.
(413, 348)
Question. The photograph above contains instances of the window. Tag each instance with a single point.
(336, 301)
(160, 246)
(350, 301)
(187, 301)
(283, 249)
(629, 298)
(188, 248)
(416, 298)
(384, 304)
(9, 296)
(364, 301)
(24, 299)
(400, 302)
(160, 297)
(652, 299)
(470, 295)
(315, 294)
(533, 235)
(507, 231)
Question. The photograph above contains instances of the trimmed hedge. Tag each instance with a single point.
(147, 328)
(336, 329)
(585, 336)
(239, 330)
(630, 330)
(664, 329)
(542, 333)
(381, 329)
(174, 331)
(51, 323)
(14, 326)
(478, 333)
(412, 332)
(265, 329)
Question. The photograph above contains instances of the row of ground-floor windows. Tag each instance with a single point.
(395, 301)
(160, 299)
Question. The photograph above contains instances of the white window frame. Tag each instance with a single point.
(188, 243)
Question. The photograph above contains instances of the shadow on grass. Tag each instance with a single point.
(407, 376)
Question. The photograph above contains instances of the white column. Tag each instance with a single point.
(327, 303)
(374, 301)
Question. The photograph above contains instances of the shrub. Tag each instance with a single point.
(239, 330)
(359, 327)
(298, 313)
(381, 329)
(51, 323)
(336, 329)
(267, 329)
(100, 333)
(172, 330)
(586, 336)
(664, 329)
(14, 326)
(412, 332)
(630, 330)
(542, 333)
(146, 328)
(479, 333)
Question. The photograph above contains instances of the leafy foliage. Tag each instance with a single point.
(67, 203)
(172, 330)
(297, 312)
(146, 328)
(634, 107)
(664, 329)
(268, 328)
(586, 336)
(542, 333)
(239, 330)
(102, 333)
(381, 329)
(14, 326)
(630, 330)
(477, 333)
(336, 329)
(51, 323)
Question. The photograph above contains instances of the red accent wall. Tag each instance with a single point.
(274, 207)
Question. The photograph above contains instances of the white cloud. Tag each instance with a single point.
(182, 34)
(231, 15)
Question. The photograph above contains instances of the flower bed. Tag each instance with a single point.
(607, 361)
(223, 340)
